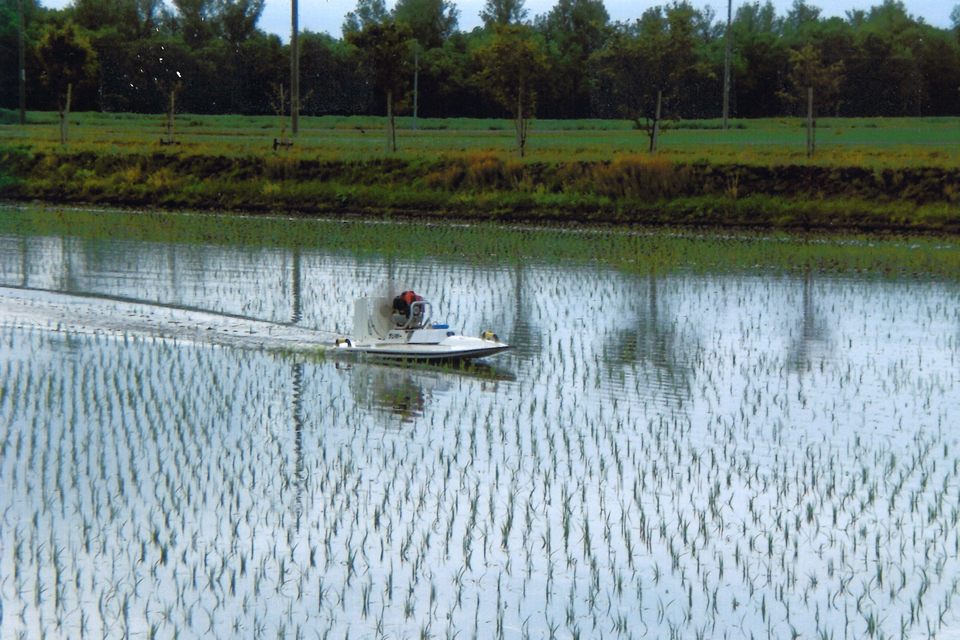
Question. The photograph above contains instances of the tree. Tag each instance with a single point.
(647, 71)
(368, 12)
(10, 48)
(629, 73)
(431, 21)
(760, 61)
(329, 77)
(573, 30)
(510, 66)
(809, 71)
(239, 18)
(196, 21)
(800, 17)
(503, 12)
(67, 59)
(386, 49)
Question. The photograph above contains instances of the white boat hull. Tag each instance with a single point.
(450, 348)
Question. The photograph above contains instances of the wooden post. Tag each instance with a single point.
(294, 70)
(810, 123)
(726, 67)
(656, 126)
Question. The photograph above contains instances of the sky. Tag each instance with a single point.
(327, 15)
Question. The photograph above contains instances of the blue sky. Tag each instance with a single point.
(327, 15)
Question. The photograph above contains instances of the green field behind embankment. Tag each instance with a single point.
(866, 173)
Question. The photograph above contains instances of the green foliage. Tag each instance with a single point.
(500, 13)
(11, 159)
(67, 57)
(808, 71)
(431, 22)
(386, 49)
(368, 12)
(510, 67)
(573, 30)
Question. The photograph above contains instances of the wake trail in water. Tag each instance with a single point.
(92, 315)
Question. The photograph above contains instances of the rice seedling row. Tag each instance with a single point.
(685, 454)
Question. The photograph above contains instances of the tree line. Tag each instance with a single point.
(572, 62)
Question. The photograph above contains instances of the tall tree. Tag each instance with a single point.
(510, 67)
(653, 59)
(431, 21)
(573, 30)
(503, 12)
(630, 72)
(760, 61)
(67, 59)
(386, 48)
(239, 19)
(368, 12)
(196, 21)
(10, 47)
(329, 77)
(95, 15)
(809, 71)
(800, 17)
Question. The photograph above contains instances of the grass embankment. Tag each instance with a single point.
(866, 175)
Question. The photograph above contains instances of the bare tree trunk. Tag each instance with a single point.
(391, 132)
(65, 116)
(173, 99)
(521, 134)
(655, 138)
(811, 141)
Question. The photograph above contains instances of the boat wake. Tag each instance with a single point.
(100, 315)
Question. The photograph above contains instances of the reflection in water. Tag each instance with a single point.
(651, 342)
(526, 339)
(296, 286)
(161, 459)
(298, 435)
(404, 391)
(397, 391)
(813, 332)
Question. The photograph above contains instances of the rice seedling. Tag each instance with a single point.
(720, 448)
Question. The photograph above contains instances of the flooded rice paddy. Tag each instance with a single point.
(665, 454)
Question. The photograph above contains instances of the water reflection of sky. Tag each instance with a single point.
(666, 412)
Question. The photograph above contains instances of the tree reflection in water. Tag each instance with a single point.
(812, 336)
(651, 343)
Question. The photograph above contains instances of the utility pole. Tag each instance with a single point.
(23, 69)
(294, 71)
(726, 67)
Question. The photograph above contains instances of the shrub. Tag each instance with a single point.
(639, 177)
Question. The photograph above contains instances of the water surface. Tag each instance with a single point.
(684, 452)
